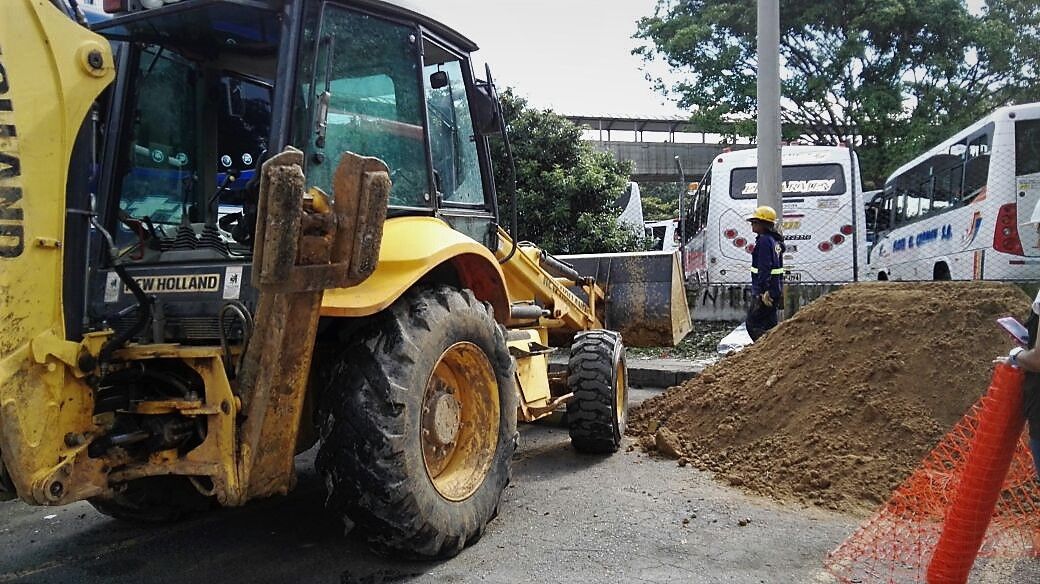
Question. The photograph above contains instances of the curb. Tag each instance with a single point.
(655, 373)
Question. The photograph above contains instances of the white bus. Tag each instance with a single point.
(821, 221)
(665, 234)
(960, 210)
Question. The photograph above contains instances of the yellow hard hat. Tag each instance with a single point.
(763, 213)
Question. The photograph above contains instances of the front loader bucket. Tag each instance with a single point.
(646, 299)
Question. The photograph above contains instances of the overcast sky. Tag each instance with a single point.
(573, 56)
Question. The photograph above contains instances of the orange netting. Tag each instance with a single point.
(980, 480)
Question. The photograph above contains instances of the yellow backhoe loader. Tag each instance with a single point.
(200, 279)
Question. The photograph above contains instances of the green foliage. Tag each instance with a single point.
(660, 200)
(897, 75)
(566, 189)
(656, 209)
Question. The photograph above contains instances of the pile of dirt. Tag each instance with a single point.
(837, 405)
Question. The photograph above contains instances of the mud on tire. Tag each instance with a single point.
(598, 375)
(374, 419)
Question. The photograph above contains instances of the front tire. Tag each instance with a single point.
(598, 377)
(420, 418)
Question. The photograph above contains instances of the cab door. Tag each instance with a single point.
(461, 162)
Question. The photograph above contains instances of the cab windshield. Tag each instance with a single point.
(175, 162)
(191, 129)
(197, 120)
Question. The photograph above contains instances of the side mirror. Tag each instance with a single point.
(439, 80)
(486, 110)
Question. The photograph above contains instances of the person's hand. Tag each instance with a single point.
(1011, 358)
(767, 299)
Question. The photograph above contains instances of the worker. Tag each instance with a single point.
(767, 273)
(1028, 359)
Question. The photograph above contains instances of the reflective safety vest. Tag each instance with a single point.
(767, 265)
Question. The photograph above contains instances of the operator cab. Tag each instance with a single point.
(206, 89)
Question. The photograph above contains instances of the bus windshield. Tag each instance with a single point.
(798, 181)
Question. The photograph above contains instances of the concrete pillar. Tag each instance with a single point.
(768, 137)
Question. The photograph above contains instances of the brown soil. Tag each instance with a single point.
(838, 404)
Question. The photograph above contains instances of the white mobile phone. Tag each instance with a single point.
(1015, 329)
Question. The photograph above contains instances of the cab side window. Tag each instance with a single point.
(368, 78)
(453, 141)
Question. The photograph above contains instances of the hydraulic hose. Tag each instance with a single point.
(144, 303)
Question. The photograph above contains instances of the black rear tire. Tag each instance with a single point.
(598, 377)
(941, 272)
(160, 499)
(374, 430)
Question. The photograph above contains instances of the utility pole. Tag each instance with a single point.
(769, 173)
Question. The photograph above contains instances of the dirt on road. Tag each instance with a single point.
(837, 405)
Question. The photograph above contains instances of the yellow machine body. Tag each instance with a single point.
(46, 91)
(51, 71)
(413, 247)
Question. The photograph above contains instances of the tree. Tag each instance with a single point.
(657, 209)
(565, 188)
(660, 200)
(896, 76)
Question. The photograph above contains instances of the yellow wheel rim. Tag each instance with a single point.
(460, 420)
(621, 393)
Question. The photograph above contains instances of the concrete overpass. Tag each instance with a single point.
(654, 161)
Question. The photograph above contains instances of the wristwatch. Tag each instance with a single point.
(1013, 356)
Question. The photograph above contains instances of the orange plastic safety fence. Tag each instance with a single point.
(1000, 424)
(898, 543)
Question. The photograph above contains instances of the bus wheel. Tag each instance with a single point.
(882, 277)
(941, 271)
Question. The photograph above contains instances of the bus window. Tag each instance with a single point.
(697, 214)
(914, 191)
(914, 205)
(804, 180)
(919, 197)
(887, 219)
(658, 233)
(947, 171)
(703, 198)
(976, 165)
(873, 210)
(899, 203)
(1027, 147)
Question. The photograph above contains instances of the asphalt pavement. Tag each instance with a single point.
(565, 518)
